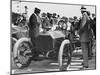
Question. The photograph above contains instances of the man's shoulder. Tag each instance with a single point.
(33, 15)
(84, 14)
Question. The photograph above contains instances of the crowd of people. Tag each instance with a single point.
(54, 21)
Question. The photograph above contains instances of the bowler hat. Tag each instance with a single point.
(49, 14)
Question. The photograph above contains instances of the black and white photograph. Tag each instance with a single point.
(52, 37)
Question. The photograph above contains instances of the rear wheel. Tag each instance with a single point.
(22, 53)
(64, 57)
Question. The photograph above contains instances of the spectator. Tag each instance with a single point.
(94, 24)
(90, 36)
(84, 36)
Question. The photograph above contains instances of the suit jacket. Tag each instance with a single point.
(33, 25)
(84, 28)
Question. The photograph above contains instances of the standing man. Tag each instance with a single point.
(94, 24)
(84, 35)
(34, 23)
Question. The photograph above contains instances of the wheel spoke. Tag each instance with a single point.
(22, 53)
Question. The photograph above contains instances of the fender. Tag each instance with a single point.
(60, 56)
(61, 51)
(13, 40)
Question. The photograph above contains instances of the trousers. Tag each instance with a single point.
(32, 36)
(84, 46)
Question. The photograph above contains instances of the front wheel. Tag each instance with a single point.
(64, 57)
(22, 52)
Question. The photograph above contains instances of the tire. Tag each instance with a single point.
(21, 48)
(64, 56)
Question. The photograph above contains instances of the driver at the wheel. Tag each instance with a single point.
(34, 23)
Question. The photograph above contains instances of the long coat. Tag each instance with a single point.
(33, 26)
(84, 28)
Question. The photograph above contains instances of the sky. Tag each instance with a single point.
(61, 9)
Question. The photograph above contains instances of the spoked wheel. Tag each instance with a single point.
(64, 57)
(22, 53)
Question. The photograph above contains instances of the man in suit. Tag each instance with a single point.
(34, 23)
(84, 35)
